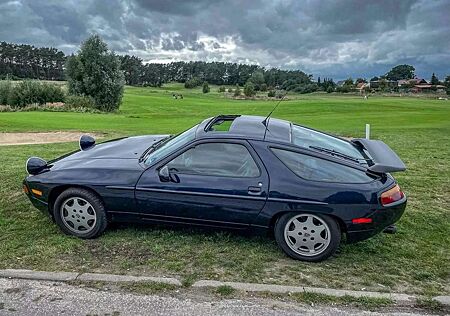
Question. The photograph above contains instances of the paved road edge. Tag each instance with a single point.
(399, 298)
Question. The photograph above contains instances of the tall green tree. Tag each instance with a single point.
(434, 79)
(133, 69)
(257, 78)
(447, 84)
(401, 72)
(95, 72)
(348, 82)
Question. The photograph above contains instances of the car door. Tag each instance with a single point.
(212, 182)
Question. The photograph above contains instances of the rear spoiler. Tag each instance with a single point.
(383, 157)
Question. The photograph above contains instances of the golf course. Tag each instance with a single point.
(414, 260)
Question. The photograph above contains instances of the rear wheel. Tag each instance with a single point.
(307, 237)
(80, 212)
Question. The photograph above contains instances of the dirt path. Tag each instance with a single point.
(40, 138)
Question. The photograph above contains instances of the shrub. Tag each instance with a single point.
(80, 101)
(343, 89)
(271, 94)
(305, 88)
(263, 87)
(249, 89)
(5, 88)
(96, 72)
(237, 91)
(330, 89)
(222, 89)
(230, 90)
(205, 87)
(192, 83)
(30, 92)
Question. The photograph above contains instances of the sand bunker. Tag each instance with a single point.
(40, 138)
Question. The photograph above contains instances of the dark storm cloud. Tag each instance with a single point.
(326, 38)
(184, 7)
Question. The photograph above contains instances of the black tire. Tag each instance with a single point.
(330, 249)
(99, 212)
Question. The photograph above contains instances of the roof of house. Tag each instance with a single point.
(361, 85)
(425, 86)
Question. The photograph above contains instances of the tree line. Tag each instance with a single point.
(194, 73)
(27, 61)
(30, 62)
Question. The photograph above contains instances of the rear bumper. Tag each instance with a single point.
(382, 218)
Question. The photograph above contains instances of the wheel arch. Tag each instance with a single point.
(57, 190)
(276, 216)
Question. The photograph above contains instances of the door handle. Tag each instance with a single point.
(254, 190)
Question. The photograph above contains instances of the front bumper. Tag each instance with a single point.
(381, 219)
(37, 202)
(40, 205)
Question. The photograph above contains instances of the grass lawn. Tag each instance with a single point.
(415, 260)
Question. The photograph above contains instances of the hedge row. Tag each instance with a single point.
(29, 92)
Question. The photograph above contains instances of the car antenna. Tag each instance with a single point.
(266, 120)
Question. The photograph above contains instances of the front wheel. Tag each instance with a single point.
(80, 213)
(307, 237)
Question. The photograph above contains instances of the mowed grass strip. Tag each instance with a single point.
(415, 260)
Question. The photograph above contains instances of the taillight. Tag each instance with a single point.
(392, 195)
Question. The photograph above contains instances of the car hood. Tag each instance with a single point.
(122, 148)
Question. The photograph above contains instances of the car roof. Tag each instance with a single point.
(247, 127)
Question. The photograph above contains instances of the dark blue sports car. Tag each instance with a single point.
(231, 171)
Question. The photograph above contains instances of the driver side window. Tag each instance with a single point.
(216, 159)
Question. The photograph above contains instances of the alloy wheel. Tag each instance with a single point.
(78, 215)
(307, 234)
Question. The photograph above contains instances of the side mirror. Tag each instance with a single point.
(164, 174)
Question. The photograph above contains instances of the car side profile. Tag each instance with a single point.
(230, 171)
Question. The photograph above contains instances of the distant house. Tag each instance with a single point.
(424, 88)
(362, 86)
(391, 84)
(340, 83)
(411, 82)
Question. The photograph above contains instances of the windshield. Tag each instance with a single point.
(171, 145)
(307, 138)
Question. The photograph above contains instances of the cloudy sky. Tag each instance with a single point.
(337, 39)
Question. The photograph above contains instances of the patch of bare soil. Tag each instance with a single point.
(40, 138)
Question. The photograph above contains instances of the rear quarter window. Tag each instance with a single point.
(317, 169)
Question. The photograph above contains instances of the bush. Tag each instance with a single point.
(330, 89)
(205, 87)
(192, 83)
(237, 91)
(305, 88)
(230, 90)
(222, 89)
(271, 94)
(263, 87)
(5, 88)
(80, 101)
(96, 72)
(30, 92)
(249, 89)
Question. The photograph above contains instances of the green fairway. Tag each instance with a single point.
(415, 260)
